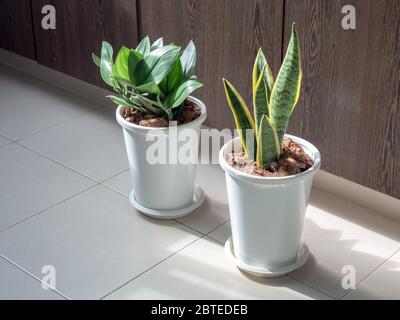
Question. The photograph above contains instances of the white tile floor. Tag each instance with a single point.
(63, 202)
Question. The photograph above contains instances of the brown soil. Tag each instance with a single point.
(189, 113)
(292, 161)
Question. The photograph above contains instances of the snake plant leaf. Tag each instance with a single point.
(179, 95)
(242, 116)
(157, 44)
(144, 46)
(268, 146)
(286, 91)
(156, 65)
(188, 60)
(96, 60)
(260, 99)
(106, 62)
(259, 64)
(120, 68)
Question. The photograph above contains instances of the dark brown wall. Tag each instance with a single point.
(227, 34)
(81, 26)
(349, 106)
(16, 32)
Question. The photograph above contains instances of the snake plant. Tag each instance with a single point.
(273, 104)
(153, 78)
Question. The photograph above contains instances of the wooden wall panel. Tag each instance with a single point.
(227, 34)
(349, 106)
(80, 28)
(16, 28)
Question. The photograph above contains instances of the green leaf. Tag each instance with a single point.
(188, 60)
(286, 91)
(150, 87)
(179, 95)
(120, 68)
(106, 62)
(259, 64)
(165, 64)
(173, 80)
(166, 110)
(260, 99)
(144, 46)
(156, 65)
(125, 102)
(157, 44)
(243, 119)
(133, 59)
(268, 146)
(96, 60)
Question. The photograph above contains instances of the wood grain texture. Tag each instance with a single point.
(80, 28)
(349, 104)
(227, 34)
(16, 28)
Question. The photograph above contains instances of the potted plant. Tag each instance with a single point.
(153, 83)
(268, 173)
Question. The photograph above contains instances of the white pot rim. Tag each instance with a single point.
(134, 127)
(309, 148)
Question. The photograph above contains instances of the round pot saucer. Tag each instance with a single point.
(198, 199)
(302, 257)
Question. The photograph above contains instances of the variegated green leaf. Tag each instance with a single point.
(285, 93)
(259, 64)
(188, 60)
(106, 62)
(96, 60)
(243, 119)
(268, 146)
(144, 46)
(157, 44)
(179, 95)
(156, 65)
(260, 99)
(120, 67)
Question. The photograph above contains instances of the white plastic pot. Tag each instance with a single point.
(165, 190)
(267, 215)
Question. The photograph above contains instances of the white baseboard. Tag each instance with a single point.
(56, 78)
(345, 189)
(376, 201)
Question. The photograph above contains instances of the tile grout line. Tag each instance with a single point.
(7, 144)
(370, 274)
(189, 227)
(57, 162)
(311, 287)
(72, 117)
(176, 220)
(151, 268)
(212, 230)
(113, 176)
(48, 208)
(33, 276)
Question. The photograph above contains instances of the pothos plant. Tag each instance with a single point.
(273, 104)
(152, 78)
